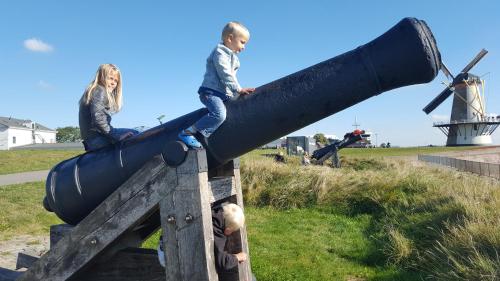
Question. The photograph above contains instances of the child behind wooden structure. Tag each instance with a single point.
(226, 219)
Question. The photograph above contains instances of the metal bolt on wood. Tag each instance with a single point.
(171, 219)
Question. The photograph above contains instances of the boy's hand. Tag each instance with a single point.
(246, 91)
(241, 257)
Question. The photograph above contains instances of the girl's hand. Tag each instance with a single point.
(246, 91)
(126, 136)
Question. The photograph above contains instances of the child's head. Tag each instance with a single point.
(235, 36)
(234, 219)
(109, 77)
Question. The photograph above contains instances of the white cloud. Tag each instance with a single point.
(37, 45)
(440, 118)
(45, 85)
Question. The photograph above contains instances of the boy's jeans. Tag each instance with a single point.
(215, 117)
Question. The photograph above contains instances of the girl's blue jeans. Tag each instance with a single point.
(101, 141)
(215, 117)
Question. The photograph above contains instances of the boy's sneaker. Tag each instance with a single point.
(189, 140)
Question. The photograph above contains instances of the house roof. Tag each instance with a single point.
(20, 123)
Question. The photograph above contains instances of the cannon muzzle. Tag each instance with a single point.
(405, 55)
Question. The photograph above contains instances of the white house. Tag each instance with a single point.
(17, 132)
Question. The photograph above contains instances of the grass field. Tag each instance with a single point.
(312, 244)
(375, 219)
(22, 210)
(436, 222)
(397, 151)
(16, 161)
(381, 152)
(298, 244)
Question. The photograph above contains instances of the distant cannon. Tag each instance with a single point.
(405, 55)
(322, 154)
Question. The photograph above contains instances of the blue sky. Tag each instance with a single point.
(161, 47)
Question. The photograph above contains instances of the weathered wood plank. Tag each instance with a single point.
(105, 224)
(57, 232)
(187, 225)
(130, 264)
(9, 275)
(25, 260)
(226, 170)
(220, 188)
(243, 268)
(197, 163)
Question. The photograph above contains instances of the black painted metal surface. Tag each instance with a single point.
(405, 55)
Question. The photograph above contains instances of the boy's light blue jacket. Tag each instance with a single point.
(220, 74)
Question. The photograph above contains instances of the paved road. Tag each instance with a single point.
(23, 177)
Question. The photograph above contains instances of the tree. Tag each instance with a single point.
(320, 138)
(68, 134)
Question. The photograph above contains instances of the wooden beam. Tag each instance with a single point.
(220, 188)
(243, 268)
(187, 224)
(130, 264)
(9, 275)
(25, 260)
(57, 232)
(117, 214)
(178, 197)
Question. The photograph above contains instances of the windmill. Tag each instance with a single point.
(469, 123)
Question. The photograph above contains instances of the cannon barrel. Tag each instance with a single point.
(405, 55)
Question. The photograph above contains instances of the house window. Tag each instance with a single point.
(14, 140)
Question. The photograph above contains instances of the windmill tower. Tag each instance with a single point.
(469, 123)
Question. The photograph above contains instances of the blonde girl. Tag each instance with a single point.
(101, 99)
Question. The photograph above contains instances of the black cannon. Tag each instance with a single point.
(322, 154)
(405, 55)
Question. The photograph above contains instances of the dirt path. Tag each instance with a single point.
(23, 177)
(33, 245)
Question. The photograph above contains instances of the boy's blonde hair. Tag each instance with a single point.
(115, 97)
(234, 218)
(236, 28)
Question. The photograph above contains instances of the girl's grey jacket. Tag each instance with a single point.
(95, 117)
(220, 74)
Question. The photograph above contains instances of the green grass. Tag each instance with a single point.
(439, 222)
(376, 152)
(375, 219)
(17, 161)
(315, 244)
(312, 244)
(397, 151)
(22, 210)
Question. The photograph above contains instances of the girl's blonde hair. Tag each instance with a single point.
(234, 218)
(236, 28)
(115, 97)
